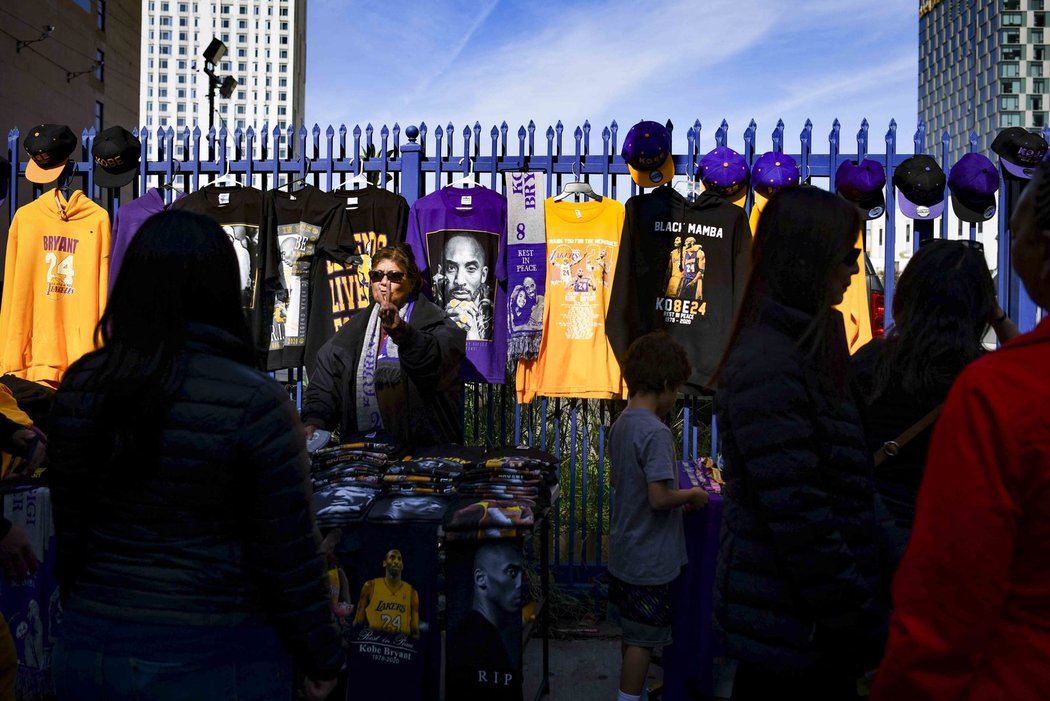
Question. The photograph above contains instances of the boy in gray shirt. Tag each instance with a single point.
(647, 545)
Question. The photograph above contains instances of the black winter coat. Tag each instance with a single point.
(219, 533)
(430, 353)
(798, 580)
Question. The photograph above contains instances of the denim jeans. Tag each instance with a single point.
(96, 659)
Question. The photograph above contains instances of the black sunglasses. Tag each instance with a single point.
(968, 243)
(394, 276)
(851, 257)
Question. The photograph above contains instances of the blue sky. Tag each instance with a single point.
(462, 61)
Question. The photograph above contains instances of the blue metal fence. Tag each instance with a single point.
(573, 430)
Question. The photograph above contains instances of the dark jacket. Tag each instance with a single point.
(430, 352)
(219, 533)
(887, 416)
(798, 576)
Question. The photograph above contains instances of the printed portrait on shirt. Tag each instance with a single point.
(463, 278)
(245, 239)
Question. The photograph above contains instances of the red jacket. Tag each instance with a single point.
(972, 596)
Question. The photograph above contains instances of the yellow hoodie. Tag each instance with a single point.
(54, 285)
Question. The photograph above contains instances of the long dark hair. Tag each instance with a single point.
(944, 299)
(179, 269)
(803, 234)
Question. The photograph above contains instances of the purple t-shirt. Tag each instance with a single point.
(458, 237)
(127, 222)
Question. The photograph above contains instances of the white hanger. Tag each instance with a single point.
(226, 178)
(577, 187)
(468, 179)
(359, 181)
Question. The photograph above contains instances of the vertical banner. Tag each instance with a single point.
(395, 643)
(483, 644)
(32, 608)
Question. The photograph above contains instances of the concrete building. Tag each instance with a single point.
(265, 52)
(72, 62)
(982, 67)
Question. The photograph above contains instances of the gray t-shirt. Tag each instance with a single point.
(646, 546)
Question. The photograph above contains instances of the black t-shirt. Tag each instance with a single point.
(339, 280)
(298, 223)
(239, 210)
(682, 267)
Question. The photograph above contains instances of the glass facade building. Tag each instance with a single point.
(982, 67)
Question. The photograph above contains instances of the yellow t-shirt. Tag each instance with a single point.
(390, 611)
(575, 358)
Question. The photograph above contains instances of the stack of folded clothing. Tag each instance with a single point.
(518, 474)
(347, 479)
(701, 472)
(426, 475)
(489, 519)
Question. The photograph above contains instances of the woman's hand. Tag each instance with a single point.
(389, 317)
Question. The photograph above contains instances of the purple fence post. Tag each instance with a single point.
(889, 280)
(411, 165)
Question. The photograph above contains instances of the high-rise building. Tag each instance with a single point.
(982, 67)
(265, 44)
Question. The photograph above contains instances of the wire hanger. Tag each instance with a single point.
(65, 180)
(467, 180)
(170, 185)
(577, 187)
(291, 183)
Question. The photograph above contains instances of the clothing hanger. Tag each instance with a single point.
(227, 178)
(170, 185)
(577, 187)
(467, 179)
(358, 182)
(290, 183)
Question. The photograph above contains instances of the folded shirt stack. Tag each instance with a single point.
(489, 518)
(347, 478)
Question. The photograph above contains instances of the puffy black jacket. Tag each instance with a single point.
(430, 353)
(798, 580)
(219, 533)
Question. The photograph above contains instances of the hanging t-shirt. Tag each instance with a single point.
(458, 237)
(682, 268)
(856, 312)
(239, 211)
(575, 359)
(339, 287)
(300, 222)
(127, 222)
(55, 285)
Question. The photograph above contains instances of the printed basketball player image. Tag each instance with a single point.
(389, 604)
(694, 260)
(462, 286)
(674, 269)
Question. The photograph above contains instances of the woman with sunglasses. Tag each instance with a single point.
(798, 576)
(392, 371)
(944, 304)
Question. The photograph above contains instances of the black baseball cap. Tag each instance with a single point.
(920, 187)
(49, 147)
(1019, 151)
(116, 152)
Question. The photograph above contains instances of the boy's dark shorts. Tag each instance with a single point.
(644, 612)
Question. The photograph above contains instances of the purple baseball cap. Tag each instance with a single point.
(724, 172)
(973, 181)
(1019, 151)
(773, 171)
(647, 151)
(862, 183)
(920, 187)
